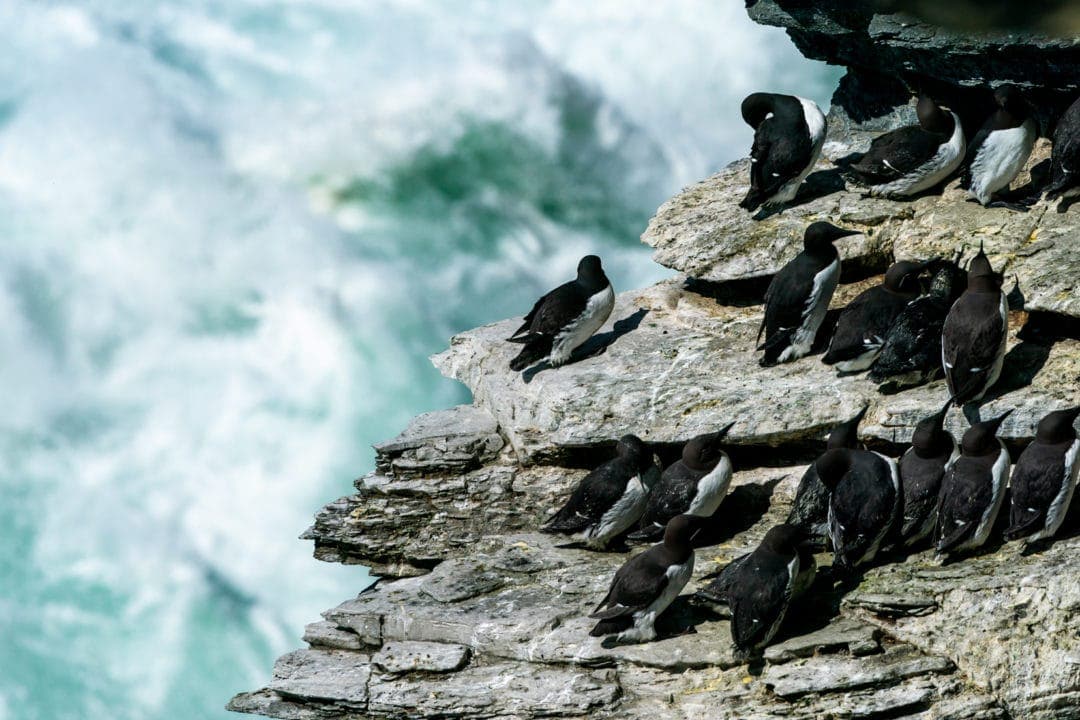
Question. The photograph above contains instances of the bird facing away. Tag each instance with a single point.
(798, 296)
(788, 134)
(647, 583)
(864, 324)
(911, 354)
(973, 489)
(1065, 158)
(565, 318)
(1044, 478)
(611, 498)
(906, 161)
(810, 510)
(999, 150)
(694, 484)
(973, 336)
(922, 468)
(864, 489)
(764, 585)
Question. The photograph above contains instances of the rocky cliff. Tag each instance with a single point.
(478, 616)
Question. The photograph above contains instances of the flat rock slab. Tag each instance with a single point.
(406, 657)
(689, 367)
(858, 637)
(796, 679)
(704, 233)
(460, 579)
(500, 690)
(328, 635)
(323, 675)
(455, 440)
(1010, 622)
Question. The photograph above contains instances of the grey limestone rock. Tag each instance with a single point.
(478, 615)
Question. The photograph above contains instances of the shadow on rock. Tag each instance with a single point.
(596, 345)
(740, 510)
(817, 185)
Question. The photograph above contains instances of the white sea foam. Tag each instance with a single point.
(202, 330)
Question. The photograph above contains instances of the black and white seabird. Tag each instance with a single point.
(647, 583)
(973, 489)
(864, 324)
(810, 510)
(1044, 478)
(911, 354)
(973, 336)
(611, 498)
(764, 586)
(565, 318)
(922, 468)
(911, 159)
(1065, 158)
(695, 484)
(719, 588)
(999, 150)
(864, 499)
(788, 134)
(798, 296)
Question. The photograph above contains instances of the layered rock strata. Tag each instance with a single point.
(479, 616)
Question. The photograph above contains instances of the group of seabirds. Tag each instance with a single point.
(853, 500)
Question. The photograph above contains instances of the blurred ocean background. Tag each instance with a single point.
(230, 236)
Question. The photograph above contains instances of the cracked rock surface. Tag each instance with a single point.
(478, 615)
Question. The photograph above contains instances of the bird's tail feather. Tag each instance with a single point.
(953, 539)
(1024, 526)
(537, 347)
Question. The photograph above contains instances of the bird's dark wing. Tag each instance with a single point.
(966, 492)
(1036, 480)
(779, 153)
(971, 340)
(863, 324)
(551, 311)
(671, 496)
(758, 598)
(636, 584)
(897, 153)
(810, 509)
(863, 505)
(786, 298)
(1065, 156)
(592, 497)
(913, 342)
(920, 480)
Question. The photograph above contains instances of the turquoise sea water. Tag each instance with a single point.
(230, 236)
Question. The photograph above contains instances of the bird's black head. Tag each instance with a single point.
(832, 466)
(755, 107)
(932, 118)
(590, 273)
(783, 539)
(704, 451)
(846, 434)
(981, 276)
(930, 438)
(819, 236)
(633, 448)
(1011, 100)
(903, 277)
(681, 530)
(1057, 427)
(981, 438)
